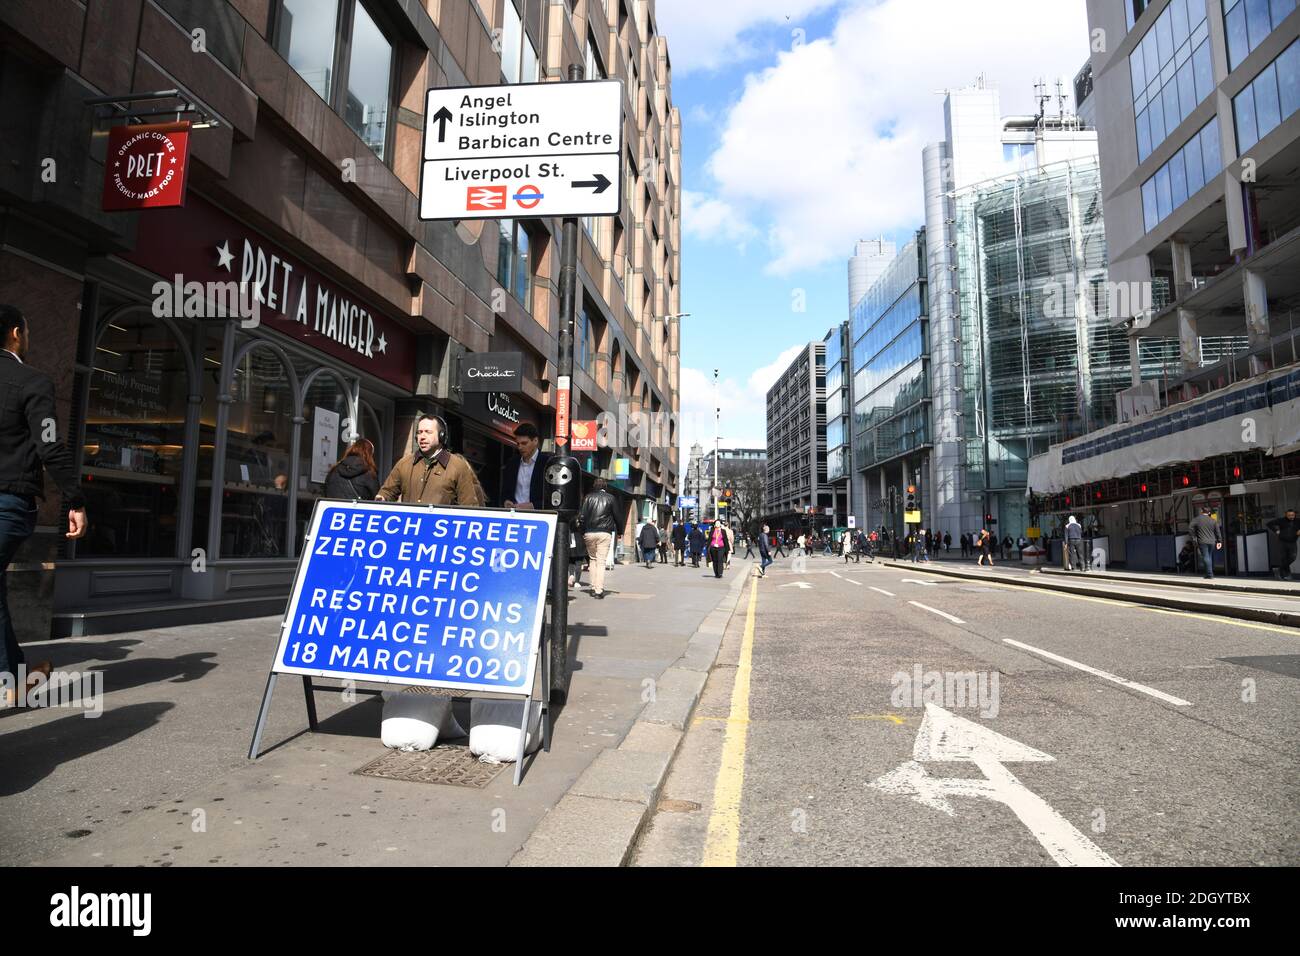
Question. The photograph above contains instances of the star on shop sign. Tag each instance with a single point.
(224, 256)
(383, 344)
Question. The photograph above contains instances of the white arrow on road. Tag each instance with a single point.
(946, 737)
(797, 584)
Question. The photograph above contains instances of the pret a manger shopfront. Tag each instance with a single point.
(210, 419)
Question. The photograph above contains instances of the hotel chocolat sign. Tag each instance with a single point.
(145, 166)
(200, 243)
(492, 372)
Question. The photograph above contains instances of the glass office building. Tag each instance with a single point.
(1040, 360)
(891, 414)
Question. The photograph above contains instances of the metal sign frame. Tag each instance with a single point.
(536, 659)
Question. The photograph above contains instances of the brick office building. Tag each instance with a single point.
(197, 432)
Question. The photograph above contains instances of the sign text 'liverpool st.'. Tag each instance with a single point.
(525, 149)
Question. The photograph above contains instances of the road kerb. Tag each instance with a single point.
(622, 788)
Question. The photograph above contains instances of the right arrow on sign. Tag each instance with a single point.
(597, 185)
(946, 737)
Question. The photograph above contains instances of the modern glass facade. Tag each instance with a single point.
(1268, 99)
(1171, 72)
(1196, 164)
(890, 376)
(1040, 360)
(1247, 22)
(837, 406)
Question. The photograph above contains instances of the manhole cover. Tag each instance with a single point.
(678, 806)
(455, 766)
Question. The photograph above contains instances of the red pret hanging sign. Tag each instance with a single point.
(145, 166)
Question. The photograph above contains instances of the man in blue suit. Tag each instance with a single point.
(523, 478)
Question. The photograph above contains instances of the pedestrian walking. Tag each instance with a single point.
(780, 546)
(985, 547)
(698, 541)
(718, 551)
(764, 553)
(1007, 544)
(598, 522)
(748, 540)
(1074, 545)
(679, 544)
(354, 476)
(1205, 531)
(947, 542)
(648, 540)
(523, 479)
(433, 475)
(27, 445)
(1287, 529)
(731, 542)
(663, 545)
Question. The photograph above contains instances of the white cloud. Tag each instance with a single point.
(825, 145)
(710, 34)
(714, 219)
(743, 420)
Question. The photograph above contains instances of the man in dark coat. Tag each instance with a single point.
(1287, 529)
(697, 545)
(30, 443)
(679, 544)
(522, 479)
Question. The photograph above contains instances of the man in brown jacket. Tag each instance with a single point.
(433, 475)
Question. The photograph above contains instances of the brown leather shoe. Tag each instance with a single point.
(43, 668)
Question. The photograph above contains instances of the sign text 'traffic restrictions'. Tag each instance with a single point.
(522, 150)
(415, 595)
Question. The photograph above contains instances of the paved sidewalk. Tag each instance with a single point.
(1267, 606)
(168, 754)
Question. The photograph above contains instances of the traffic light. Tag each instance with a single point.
(911, 498)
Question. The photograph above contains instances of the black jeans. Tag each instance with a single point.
(17, 522)
(719, 559)
(1288, 557)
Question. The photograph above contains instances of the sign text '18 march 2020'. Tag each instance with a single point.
(392, 593)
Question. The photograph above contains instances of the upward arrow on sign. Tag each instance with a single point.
(441, 118)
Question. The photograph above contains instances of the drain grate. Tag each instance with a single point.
(454, 766)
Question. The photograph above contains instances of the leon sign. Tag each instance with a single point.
(145, 166)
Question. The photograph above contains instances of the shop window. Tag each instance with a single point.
(326, 432)
(258, 467)
(344, 54)
(134, 438)
(514, 261)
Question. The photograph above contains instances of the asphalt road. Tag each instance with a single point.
(1108, 733)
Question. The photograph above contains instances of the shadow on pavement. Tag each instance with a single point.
(30, 755)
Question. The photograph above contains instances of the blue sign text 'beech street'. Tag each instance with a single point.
(415, 595)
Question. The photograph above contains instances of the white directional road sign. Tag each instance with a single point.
(522, 150)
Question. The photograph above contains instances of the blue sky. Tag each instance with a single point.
(803, 124)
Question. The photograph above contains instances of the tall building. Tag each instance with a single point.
(869, 259)
(1200, 136)
(986, 157)
(839, 420)
(198, 433)
(731, 464)
(891, 414)
(797, 492)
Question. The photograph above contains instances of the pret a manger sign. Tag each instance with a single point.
(541, 149)
(145, 166)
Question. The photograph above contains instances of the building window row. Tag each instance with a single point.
(344, 55)
(1248, 22)
(1196, 164)
(1270, 98)
(904, 312)
(1171, 72)
(514, 261)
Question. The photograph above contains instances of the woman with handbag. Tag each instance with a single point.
(355, 475)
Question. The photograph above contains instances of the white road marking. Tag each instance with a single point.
(1104, 675)
(928, 584)
(882, 590)
(932, 610)
(797, 584)
(836, 574)
(946, 737)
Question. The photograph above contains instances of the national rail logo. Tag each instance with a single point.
(485, 197)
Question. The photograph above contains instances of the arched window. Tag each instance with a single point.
(255, 496)
(134, 437)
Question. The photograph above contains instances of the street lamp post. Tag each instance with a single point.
(717, 414)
